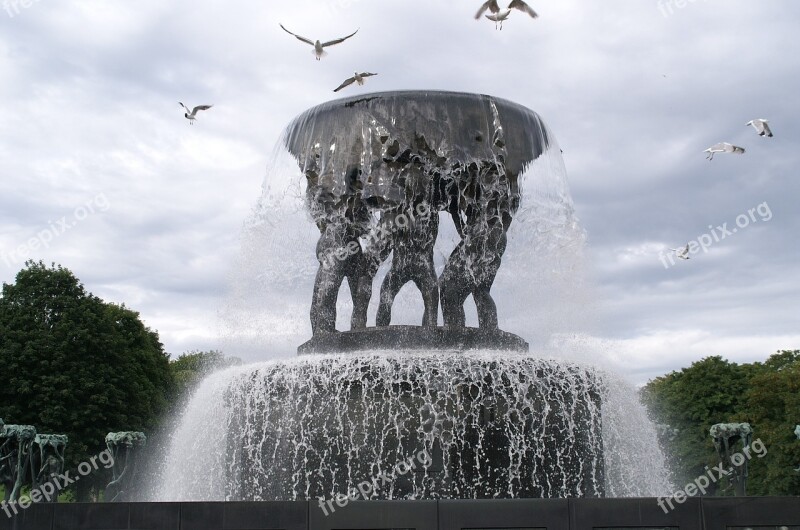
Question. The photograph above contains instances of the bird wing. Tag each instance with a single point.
(184, 106)
(491, 5)
(366, 74)
(201, 107)
(348, 81)
(522, 6)
(758, 125)
(716, 148)
(296, 36)
(767, 130)
(337, 41)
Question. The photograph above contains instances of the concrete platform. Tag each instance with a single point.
(413, 338)
(709, 513)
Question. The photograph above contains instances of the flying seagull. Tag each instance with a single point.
(318, 46)
(192, 115)
(357, 78)
(723, 147)
(499, 15)
(761, 127)
(682, 253)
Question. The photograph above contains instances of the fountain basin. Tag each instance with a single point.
(493, 424)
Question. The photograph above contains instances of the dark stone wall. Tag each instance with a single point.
(552, 514)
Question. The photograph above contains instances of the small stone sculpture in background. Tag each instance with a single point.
(5, 457)
(123, 447)
(797, 433)
(15, 455)
(666, 433)
(725, 436)
(47, 460)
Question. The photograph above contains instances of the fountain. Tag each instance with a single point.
(408, 408)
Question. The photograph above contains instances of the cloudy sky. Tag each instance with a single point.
(101, 173)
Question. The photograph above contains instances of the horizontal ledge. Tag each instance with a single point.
(394, 338)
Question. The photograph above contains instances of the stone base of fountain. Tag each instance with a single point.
(435, 424)
(413, 338)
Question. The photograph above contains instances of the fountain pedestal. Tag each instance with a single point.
(413, 338)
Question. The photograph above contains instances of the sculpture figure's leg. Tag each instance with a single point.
(487, 309)
(394, 281)
(323, 303)
(358, 286)
(330, 275)
(6, 457)
(428, 285)
(360, 282)
(34, 465)
(425, 273)
(23, 459)
(492, 256)
(454, 288)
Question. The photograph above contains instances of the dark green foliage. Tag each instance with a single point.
(73, 364)
(713, 390)
(191, 367)
(772, 406)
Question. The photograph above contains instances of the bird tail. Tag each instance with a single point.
(323, 54)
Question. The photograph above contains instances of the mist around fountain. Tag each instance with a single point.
(551, 423)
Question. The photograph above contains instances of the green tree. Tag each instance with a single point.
(73, 364)
(713, 390)
(191, 367)
(709, 391)
(772, 407)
